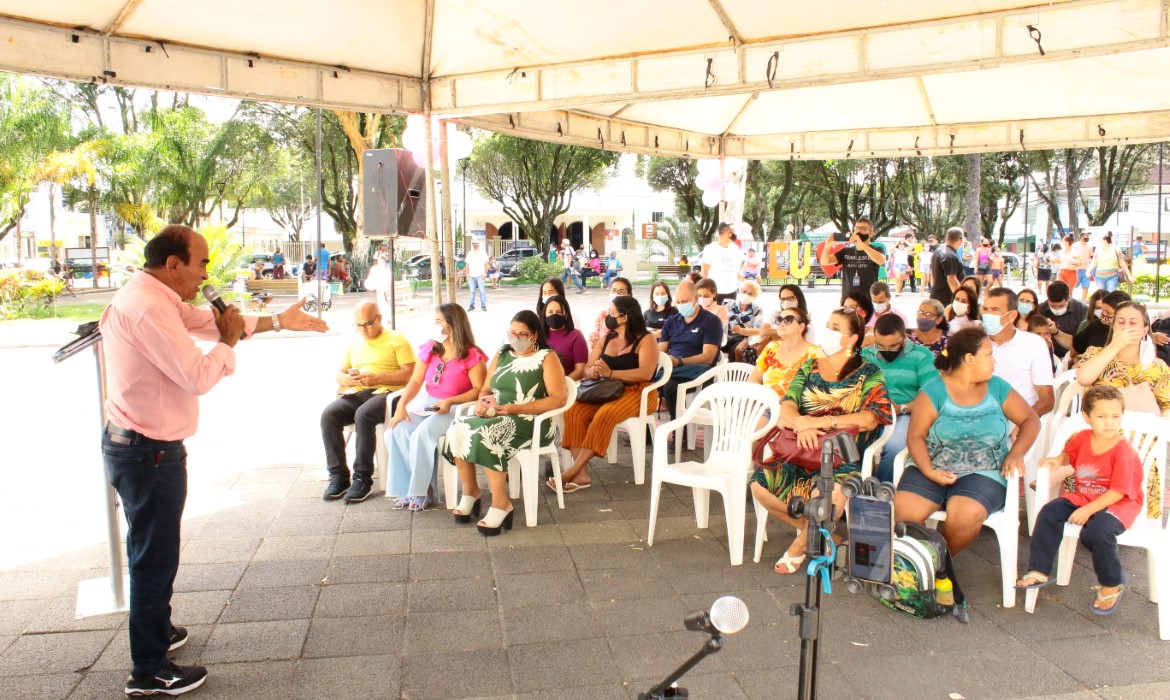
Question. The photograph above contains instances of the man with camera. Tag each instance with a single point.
(859, 259)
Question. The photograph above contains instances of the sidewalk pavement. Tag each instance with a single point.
(287, 596)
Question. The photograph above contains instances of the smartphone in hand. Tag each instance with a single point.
(354, 371)
(489, 401)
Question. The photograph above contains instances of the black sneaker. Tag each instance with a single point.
(337, 487)
(177, 638)
(171, 679)
(360, 490)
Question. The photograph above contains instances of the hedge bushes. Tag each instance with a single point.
(28, 294)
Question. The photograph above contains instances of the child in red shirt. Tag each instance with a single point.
(1105, 500)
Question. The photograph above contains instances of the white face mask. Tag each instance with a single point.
(439, 336)
(789, 304)
(1058, 312)
(545, 299)
(705, 302)
(830, 341)
(745, 299)
(960, 308)
(881, 307)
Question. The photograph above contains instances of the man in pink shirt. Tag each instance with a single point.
(154, 375)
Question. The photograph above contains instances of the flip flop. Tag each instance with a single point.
(571, 487)
(1115, 597)
(1041, 581)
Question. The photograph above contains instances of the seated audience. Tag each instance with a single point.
(858, 302)
(879, 296)
(377, 361)
(592, 267)
(691, 338)
(619, 287)
(785, 355)
(1027, 305)
(1040, 326)
(629, 353)
(931, 326)
(564, 338)
(791, 297)
(960, 441)
(1105, 500)
(1065, 313)
(906, 367)
(549, 288)
(707, 297)
(963, 311)
(1096, 333)
(840, 390)
(525, 379)
(743, 314)
(613, 268)
(450, 371)
(659, 309)
(1020, 357)
(1129, 362)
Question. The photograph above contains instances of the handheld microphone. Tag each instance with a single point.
(212, 297)
(727, 615)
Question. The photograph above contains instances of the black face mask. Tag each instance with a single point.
(611, 323)
(889, 355)
(555, 321)
(863, 237)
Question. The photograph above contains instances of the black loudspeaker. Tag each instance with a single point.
(394, 191)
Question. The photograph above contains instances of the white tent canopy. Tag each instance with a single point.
(832, 79)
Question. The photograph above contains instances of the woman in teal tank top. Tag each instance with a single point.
(960, 443)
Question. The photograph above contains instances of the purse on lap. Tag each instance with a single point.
(785, 450)
(595, 391)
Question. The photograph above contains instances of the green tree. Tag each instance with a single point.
(851, 189)
(1118, 170)
(534, 181)
(677, 175)
(1000, 190)
(32, 124)
(288, 191)
(81, 167)
(932, 194)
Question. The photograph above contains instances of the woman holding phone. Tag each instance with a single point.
(526, 379)
(450, 371)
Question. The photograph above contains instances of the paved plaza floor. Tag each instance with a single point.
(290, 597)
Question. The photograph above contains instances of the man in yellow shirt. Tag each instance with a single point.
(377, 362)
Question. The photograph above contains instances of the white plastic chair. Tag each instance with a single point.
(869, 462)
(724, 372)
(1005, 523)
(1147, 433)
(636, 427)
(1068, 403)
(529, 460)
(738, 419)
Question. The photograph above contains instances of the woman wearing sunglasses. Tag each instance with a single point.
(450, 371)
(780, 360)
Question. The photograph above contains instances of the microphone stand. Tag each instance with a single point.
(819, 514)
(664, 690)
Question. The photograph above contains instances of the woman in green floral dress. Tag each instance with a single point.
(841, 390)
(526, 379)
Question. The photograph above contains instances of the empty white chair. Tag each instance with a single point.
(636, 426)
(1068, 403)
(1147, 433)
(1005, 523)
(723, 372)
(741, 413)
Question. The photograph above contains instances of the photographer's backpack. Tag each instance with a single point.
(923, 581)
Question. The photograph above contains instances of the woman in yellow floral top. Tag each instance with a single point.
(780, 359)
(1128, 361)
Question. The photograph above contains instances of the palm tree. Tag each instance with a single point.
(78, 169)
(32, 124)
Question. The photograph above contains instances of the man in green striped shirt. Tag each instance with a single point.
(906, 366)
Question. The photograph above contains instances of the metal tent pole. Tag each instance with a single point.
(320, 199)
(1158, 235)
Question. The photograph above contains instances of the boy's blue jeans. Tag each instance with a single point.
(1099, 535)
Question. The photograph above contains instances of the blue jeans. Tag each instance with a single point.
(150, 477)
(1108, 282)
(568, 274)
(1099, 535)
(897, 443)
(472, 283)
(610, 273)
(412, 446)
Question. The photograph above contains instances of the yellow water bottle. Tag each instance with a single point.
(944, 592)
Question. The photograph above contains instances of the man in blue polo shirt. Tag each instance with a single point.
(692, 338)
(907, 366)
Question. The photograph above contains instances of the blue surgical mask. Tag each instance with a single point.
(686, 310)
(661, 299)
(992, 323)
(1025, 307)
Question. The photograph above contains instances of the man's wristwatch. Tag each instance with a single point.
(276, 323)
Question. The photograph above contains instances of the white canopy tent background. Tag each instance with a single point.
(838, 78)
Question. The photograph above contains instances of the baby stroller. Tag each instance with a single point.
(308, 292)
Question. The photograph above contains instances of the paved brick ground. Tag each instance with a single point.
(287, 596)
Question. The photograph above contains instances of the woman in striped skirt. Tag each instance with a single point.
(627, 352)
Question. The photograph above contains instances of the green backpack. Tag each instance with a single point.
(921, 561)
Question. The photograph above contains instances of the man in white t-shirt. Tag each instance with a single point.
(476, 270)
(721, 262)
(1021, 358)
(568, 260)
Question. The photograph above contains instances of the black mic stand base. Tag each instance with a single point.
(666, 688)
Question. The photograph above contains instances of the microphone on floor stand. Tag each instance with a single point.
(727, 615)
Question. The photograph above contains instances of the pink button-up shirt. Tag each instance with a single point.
(154, 370)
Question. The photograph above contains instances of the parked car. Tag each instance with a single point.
(419, 267)
(250, 260)
(1012, 262)
(510, 260)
